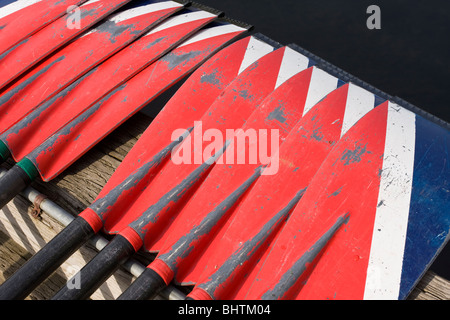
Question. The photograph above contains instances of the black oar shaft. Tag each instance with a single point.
(145, 287)
(12, 183)
(47, 260)
(91, 276)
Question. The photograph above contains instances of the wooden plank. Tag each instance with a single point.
(22, 235)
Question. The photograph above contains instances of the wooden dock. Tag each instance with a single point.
(21, 234)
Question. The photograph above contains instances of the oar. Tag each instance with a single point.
(389, 172)
(79, 56)
(238, 262)
(27, 53)
(220, 116)
(229, 112)
(150, 283)
(290, 280)
(126, 242)
(196, 222)
(183, 108)
(36, 13)
(300, 155)
(52, 115)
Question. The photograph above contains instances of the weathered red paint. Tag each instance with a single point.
(230, 110)
(21, 24)
(65, 66)
(287, 101)
(301, 154)
(338, 188)
(23, 56)
(47, 119)
(189, 103)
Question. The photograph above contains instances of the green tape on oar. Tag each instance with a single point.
(4, 151)
(29, 168)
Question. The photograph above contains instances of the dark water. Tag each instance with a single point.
(408, 57)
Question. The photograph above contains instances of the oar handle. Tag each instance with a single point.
(12, 183)
(92, 275)
(47, 260)
(145, 287)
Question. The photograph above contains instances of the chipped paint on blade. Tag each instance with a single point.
(146, 172)
(281, 109)
(52, 37)
(289, 281)
(85, 92)
(238, 107)
(300, 155)
(225, 176)
(223, 278)
(149, 219)
(197, 236)
(375, 256)
(97, 121)
(37, 15)
(209, 79)
(68, 64)
(391, 217)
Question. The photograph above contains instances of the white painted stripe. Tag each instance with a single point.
(293, 62)
(359, 102)
(138, 11)
(212, 32)
(16, 6)
(322, 83)
(389, 232)
(256, 49)
(181, 19)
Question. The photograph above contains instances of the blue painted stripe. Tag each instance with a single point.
(6, 2)
(429, 217)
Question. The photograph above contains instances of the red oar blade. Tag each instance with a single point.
(21, 19)
(48, 118)
(91, 126)
(191, 101)
(30, 51)
(276, 115)
(228, 112)
(78, 57)
(390, 159)
(299, 157)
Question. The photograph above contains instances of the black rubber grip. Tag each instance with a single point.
(92, 275)
(12, 183)
(47, 260)
(145, 287)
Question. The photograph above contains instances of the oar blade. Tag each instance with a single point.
(27, 134)
(229, 111)
(99, 120)
(30, 51)
(79, 56)
(279, 112)
(299, 157)
(37, 14)
(380, 160)
(191, 101)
